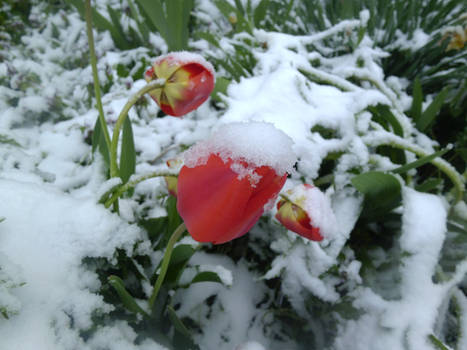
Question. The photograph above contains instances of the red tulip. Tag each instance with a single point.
(189, 80)
(218, 205)
(306, 210)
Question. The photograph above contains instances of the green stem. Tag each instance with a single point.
(165, 263)
(97, 90)
(121, 118)
(133, 183)
(398, 142)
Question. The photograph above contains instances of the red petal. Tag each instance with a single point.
(266, 190)
(296, 219)
(200, 86)
(212, 201)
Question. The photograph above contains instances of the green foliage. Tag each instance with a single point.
(122, 284)
(128, 153)
(13, 20)
(122, 40)
(382, 192)
(98, 143)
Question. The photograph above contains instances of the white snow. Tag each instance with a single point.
(317, 206)
(258, 144)
(185, 57)
(46, 234)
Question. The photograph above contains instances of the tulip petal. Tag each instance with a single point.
(188, 84)
(296, 219)
(212, 200)
(266, 190)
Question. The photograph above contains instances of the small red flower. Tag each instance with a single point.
(307, 211)
(218, 205)
(189, 80)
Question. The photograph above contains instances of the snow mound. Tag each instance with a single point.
(46, 234)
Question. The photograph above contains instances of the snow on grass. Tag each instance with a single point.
(46, 234)
(412, 318)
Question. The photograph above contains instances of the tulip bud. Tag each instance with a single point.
(307, 211)
(189, 80)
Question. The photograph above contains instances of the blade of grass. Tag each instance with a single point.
(429, 115)
(127, 154)
(419, 162)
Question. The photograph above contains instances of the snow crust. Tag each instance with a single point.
(317, 206)
(46, 234)
(256, 143)
(186, 57)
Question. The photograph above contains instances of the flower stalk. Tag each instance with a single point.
(97, 90)
(121, 118)
(165, 263)
(130, 184)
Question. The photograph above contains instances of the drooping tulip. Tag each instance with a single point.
(307, 211)
(189, 80)
(229, 180)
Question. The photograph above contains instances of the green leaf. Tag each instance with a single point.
(227, 10)
(384, 112)
(209, 37)
(182, 338)
(178, 17)
(118, 35)
(102, 24)
(128, 154)
(437, 343)
(382, 192)
(419, 162)
(429, 114)
(416, 110)
(220, 88)
(260, 12)
(177, 323)
(173, 217)
(142, 27)
(154, 12)
(180, 257)
(206, 276)
(98, 143)
(125, 297)
(8, 140)
(428, 185)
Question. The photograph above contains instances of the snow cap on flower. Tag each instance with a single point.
(189, 80)
(307, 211)
(255, 143)
(228, 180)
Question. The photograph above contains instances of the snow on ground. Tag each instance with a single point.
(49, 192)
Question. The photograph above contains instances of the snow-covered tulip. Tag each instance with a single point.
(229, 180)
(189, 80)
(305, 210)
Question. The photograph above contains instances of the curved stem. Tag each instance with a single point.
(97, 90)
(385, 138)
(165, 263)
(133, 183)
(157, 84)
